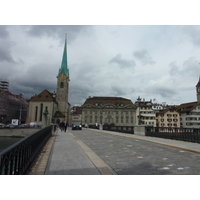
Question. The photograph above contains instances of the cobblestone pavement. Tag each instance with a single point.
(128, 156)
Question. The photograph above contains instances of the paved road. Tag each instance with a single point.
(128, 156)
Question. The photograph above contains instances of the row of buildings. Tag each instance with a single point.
(12, 106)
(119, 111)
(46, 108)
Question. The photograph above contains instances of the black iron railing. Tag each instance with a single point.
(122, 129)
(183, 134)
(19, 158)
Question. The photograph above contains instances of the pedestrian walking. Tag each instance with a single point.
(61, 125)
(65, 126)
(96, 124)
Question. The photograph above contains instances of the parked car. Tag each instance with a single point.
(34, 124)
(2, 125)
(10, 126)
(76, 126)
(24, 125)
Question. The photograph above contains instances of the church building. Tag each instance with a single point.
(47, 107)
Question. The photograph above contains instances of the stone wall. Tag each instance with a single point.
(17, 132)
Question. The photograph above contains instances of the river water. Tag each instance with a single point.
(5, 142)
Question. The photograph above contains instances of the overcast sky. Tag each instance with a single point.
(160, 62)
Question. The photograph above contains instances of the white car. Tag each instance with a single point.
(33, 124)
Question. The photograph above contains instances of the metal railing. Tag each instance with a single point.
(19, 157)
(183, 134)
(122, 129)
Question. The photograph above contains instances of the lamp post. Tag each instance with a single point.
(54, 96)
(138, 105)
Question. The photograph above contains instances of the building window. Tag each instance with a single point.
(41, 111)
(174, 115)
(122, 119)
(127, 120)
(36, 112)
(61, 85)
(117, 119)
(86, 119)
(131, 119)
(101, 119)
(90, 119)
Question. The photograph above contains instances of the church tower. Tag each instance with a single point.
(198, 91)
(63, 85)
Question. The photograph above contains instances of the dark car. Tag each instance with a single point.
(76, 126)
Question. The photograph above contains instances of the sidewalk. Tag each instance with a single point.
(69, 156)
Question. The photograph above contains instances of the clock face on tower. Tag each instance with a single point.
(62, 77)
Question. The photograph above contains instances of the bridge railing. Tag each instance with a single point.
(19, 157)
(122, 129)
(183, 134)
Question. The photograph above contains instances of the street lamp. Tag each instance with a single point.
(54, 96)
(138, 105)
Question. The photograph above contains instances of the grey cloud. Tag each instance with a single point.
(5, 46)
(57, 31)
(192, 33)
(189, 67)
(174, 69)
(118, 91)
(34, 80)
(5, 55)
(3, 32)
(163, 91)
(144, 57)
(122, 62)
(79, 93)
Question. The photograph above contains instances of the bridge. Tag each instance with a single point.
(92, 151)
(105, 152)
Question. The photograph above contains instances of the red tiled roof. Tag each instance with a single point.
(186, 107)
(43, 96)
(108, 100)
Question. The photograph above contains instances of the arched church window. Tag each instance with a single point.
(61, 85)
(41, 111)
(36, 111)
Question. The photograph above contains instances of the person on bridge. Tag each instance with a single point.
(96, 124)
(61, 125)
(65, 126)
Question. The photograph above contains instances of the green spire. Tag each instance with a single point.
(64, 66)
